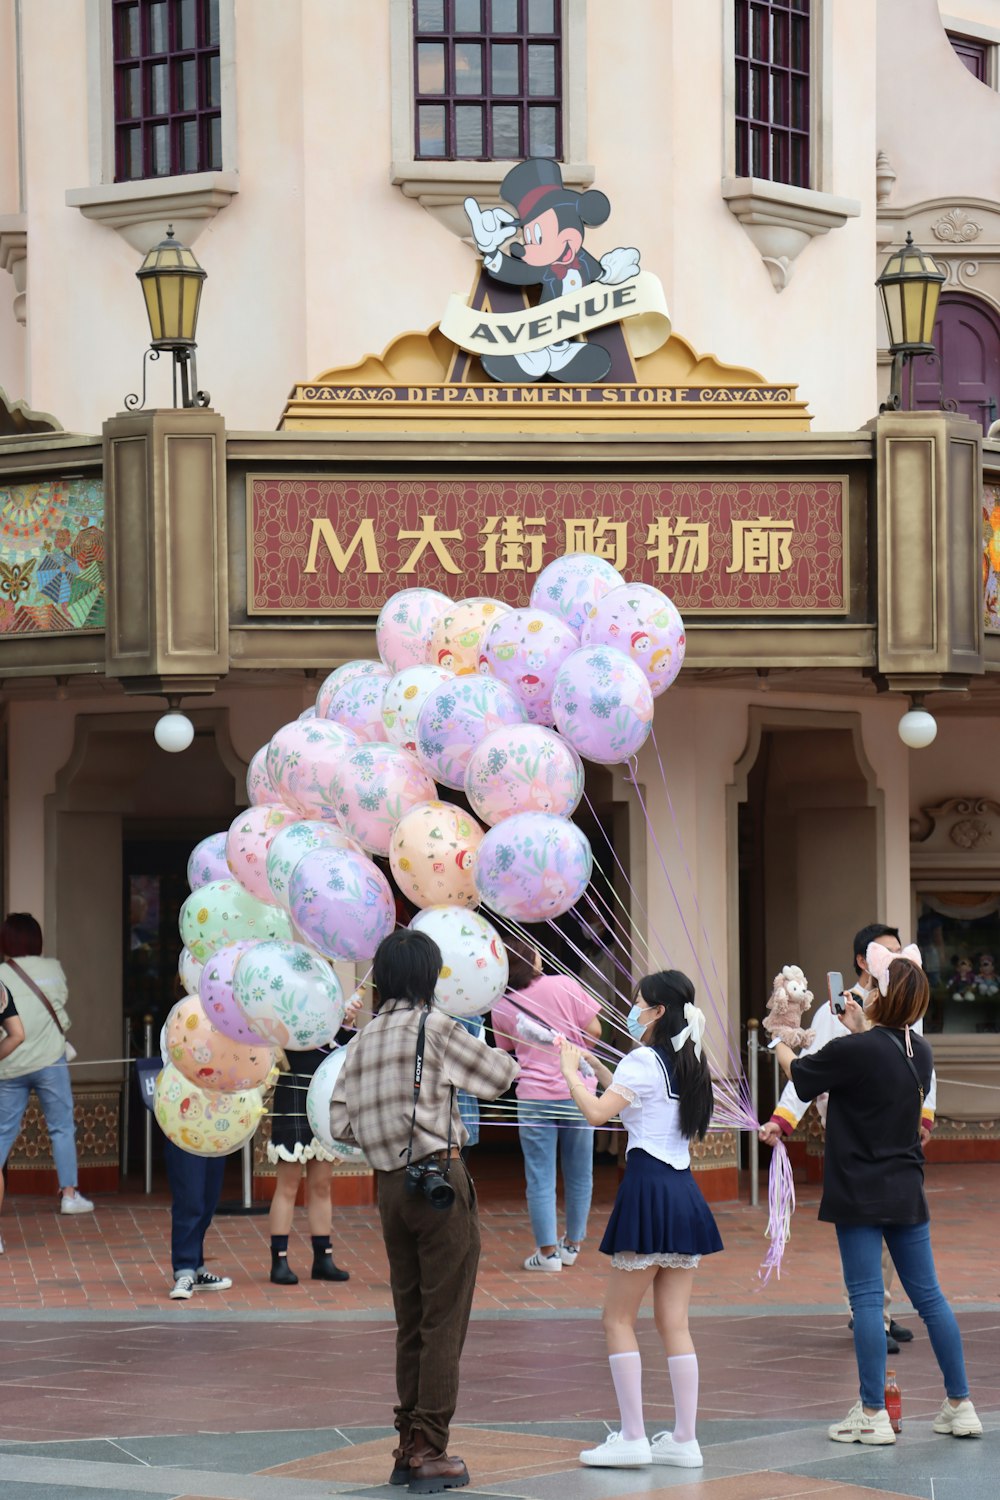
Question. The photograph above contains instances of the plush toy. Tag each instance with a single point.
(962, 984)
(790, 998)
(987, 979)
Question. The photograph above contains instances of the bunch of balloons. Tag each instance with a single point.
(503, 704)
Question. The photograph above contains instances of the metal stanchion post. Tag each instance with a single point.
(148, 1122)
(753, 1052)
(126, 1097)
(248, 1176)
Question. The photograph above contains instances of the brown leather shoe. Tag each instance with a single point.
(432, 1471)
(401, 1455)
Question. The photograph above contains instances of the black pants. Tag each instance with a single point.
(433, 1258)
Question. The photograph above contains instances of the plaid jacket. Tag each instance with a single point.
(372, 1101)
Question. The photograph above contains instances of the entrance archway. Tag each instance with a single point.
(966, 368)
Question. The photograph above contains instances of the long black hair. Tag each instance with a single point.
(673, 990)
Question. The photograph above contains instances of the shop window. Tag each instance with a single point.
(167, 88)
(773, 90)
(958, 933)
(487, 79)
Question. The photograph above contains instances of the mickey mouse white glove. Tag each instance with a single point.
(618, 265)
(491, 227)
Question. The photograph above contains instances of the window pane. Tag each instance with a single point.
(469, 129)
(758, 32)
(132, 153)
(468, 68)
(187, 84)
(213, 92)
(211, 23)
(430, 15)
(127, 31)
(214, 163)
(541, 131)
(187, 30)
(430, 68)
(503, 15)
(430, 130)
(800, 103)
(779, 39)
(541, 17)
(541, 71)
(759, 155)
(158, 26)
(800, 44)
(759, 94)
(159, 150)
(779, 99)
(130, 93)
(159, 91)
(189, 145)
(506, 131)
(506, 74)
(468, 15)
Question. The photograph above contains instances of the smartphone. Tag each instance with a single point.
(835, 985)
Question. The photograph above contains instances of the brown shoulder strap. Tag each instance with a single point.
(27, 979)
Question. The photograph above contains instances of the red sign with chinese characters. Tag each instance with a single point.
(318, 546)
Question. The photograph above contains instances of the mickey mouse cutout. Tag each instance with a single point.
(552, 219)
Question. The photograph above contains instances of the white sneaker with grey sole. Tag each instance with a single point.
(666, 1450)
(958, 1421)
(78, 1204)
(617, 1452)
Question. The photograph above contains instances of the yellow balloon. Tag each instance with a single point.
(432, 852)
(457, 637)
(202, 1123)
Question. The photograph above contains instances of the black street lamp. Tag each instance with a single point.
(171, 281)
(910, 285)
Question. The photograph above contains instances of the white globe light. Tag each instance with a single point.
(918, 728)
(174, 732)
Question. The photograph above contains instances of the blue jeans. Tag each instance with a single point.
(195, 1185)
(55, 1095)
(910, 1248)
(543, 1126)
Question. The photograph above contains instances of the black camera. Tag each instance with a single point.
(427, 1177)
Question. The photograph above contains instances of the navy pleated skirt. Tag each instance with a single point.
(659, 1210)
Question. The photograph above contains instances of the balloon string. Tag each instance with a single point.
(629, 918)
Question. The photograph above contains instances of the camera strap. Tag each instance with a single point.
(418, 1070)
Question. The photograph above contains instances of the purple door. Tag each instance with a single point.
(967, 338)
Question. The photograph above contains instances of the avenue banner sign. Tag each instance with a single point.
(320, 546)
(640, 300)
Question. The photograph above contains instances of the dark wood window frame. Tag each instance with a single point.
(974, 54)
(167, 88)
(773, 56)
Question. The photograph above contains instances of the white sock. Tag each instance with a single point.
(684, 1384)
(626, 1372)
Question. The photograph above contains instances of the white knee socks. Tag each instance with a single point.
(626, 1372)
(684, 1384)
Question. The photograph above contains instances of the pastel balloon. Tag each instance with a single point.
(455, 717)
(474, 969)
(431, 855)
(603, 704)
(345, 673)
(405, 625)
(223, 912)
(572, 585)
(249, 838)
(209, 1058)
(405, 696)
(308, 713)
(341, 903)
(321, 1088)
(217, 999)
(260, 789)
(207, 861)
(643, 623)
(523, 768)
(189, 971)
(357, 705)
(533, 866)
(290, 997)
(301, 759)
(525, 649)
(289, 844)
(203, 1123)
(375, 786)
(456, 639)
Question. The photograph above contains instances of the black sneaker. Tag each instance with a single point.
(900, 1334)
(891, 1347)
(206, 1282)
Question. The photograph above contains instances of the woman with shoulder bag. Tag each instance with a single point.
(38, 986)
(11, 1037)
(873, 1185)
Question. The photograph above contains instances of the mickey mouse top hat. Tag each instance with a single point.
(534, 186)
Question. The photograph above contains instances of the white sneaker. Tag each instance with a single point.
(858, 1427)
(183, 1288)
(206, 1282)
(565, 1254)
(540, 1262)
(680, 1455)
(78, 1204)
(959, 1421)
(617, 1452)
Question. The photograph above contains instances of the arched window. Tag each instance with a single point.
(966, 368)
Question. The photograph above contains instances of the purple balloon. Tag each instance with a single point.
(455, 717)
(207, 861)
(525, 649)
(341, 903)
(603, 704)
(215, 990)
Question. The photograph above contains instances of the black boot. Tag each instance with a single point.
(281, 1272)
(324, 1268)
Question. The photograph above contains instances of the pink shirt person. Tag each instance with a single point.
(555, 1001)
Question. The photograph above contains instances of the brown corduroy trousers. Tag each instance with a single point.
(433, 1257)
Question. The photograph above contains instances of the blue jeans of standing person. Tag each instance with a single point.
(195, 1186)
(548, 1127)
(910, 1248)
(55, 1096)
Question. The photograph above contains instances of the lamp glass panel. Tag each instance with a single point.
(151, 293)
(170, 301)
(913, 308)
(930, 311)
(892, 303)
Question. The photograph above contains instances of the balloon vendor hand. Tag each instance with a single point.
(570, 1058)
(770, 1133)
(352, 1009)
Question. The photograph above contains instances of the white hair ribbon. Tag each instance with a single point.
(695, 1029)
(878, 960)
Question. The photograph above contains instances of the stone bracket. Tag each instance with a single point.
(141, 211)
(781, 220)
(14, 258)
(441, 187)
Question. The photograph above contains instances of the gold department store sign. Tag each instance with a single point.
(319, 545)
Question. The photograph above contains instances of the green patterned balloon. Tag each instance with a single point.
(223, 912)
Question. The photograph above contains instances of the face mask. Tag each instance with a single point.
(633, 1024)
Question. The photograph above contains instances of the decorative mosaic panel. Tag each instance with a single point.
(95, 1113)
(52, 557)
(991, 558)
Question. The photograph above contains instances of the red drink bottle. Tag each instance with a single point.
(893, 1401)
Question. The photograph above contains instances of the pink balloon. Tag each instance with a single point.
(375, 786)
(209, 1058)
(523, 768)
(455, 717)
(215, 989)
(572, 585)
(351, 671)
(357, 705)
(532, 867)
(247, 843)
(603, 704)
(341, 903)
(260, 788)
(525, 649)
(301, 760)
(405, 625)
(207, 861)
(643, 623)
